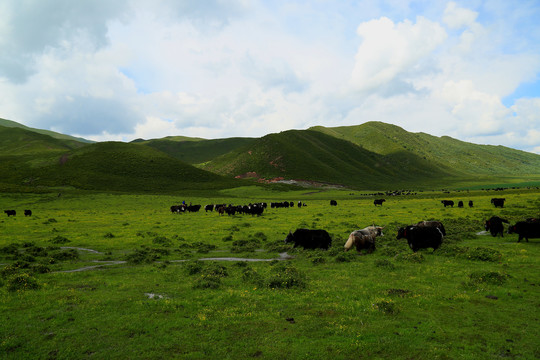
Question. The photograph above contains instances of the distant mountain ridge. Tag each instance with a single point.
(372, 155)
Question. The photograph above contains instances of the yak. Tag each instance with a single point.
(378, 201)
(495, 225)
(437, 224)
(419, 237)
(526, 229)
(447, 203)
(309, 239)
(10, 212)
(498, 202)
(364, 239)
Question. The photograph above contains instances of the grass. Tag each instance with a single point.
(475, 298)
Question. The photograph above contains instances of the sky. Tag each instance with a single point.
(127, 69)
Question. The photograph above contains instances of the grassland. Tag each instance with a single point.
(475, 298)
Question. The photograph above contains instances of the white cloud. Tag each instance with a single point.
(389, 49)
(457, 17)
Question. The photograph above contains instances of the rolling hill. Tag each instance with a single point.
(373, 155)
(196, 150)
(53, 134)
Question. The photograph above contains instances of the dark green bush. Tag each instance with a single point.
(384, 263)
(22, 282)
(285, 276)
(239, 246)
(415, 258)
(63, 255)
(483, 254)
(207, 282)
(487, 277)
(60, 240)
(162, 240)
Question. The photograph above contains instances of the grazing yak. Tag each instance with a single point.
(309, 239)
(447, 203)
(364, 239)
(526, 229)
(498, 202)
(437, 224)
(27, 212)
(378, 201)
(470, 203)
(495, 225)
(419, 237)
(10, 212)
(333, 202)
(460, 204)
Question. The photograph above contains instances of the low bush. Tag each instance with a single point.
(415, 258)
(384, 263)
(285, 276)
(22, 282)
(487, 277)
(60, 240)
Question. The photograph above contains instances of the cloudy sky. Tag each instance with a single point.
(127, 69)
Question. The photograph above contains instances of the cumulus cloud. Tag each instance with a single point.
(389, 49)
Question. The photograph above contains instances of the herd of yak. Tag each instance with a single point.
(422, 235)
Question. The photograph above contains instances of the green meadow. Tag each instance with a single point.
(118, 276)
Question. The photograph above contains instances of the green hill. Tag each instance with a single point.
(196, 150)
(460, 158)
(19, 141)
(13, 124)
(313, 155)
(109, 166)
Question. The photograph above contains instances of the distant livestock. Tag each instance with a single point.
(333, 202)
(27, 212)
(470, 203)
(209, 208)
(495, 225)
(447, 203)
(309, 239)
(526, 229)
(378, 202)
(498, 202)
(421, 237)
(460, 204)
(10, 212)
(364, 239)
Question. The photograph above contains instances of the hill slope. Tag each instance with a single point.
(446, 152)
(313, 155)
(13, 124)
(195, 150)
(109, 166)
(19, 141)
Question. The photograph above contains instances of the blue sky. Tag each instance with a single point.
(127, 69)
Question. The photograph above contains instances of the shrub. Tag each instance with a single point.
(345, 256)
(384, 263)
(60, 240)
(483, 254)
(487, 277)
(386, 307)
(109, 235)
(194, 267)
(258, 236)
(207, 282)
(40, 269)
(203, 248)
(22, 282)
(286, 277)
(245, 245)
(11, 249)
(318, 260)
(14, 268)
(162, 240)
(416, 258)
(145, 255)
(251, 275)
(69, 254)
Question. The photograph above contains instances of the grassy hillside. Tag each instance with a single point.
(313, 155)
(110, 166)
(446, 152)
(13, 124)
(19, 141)
(195, 150)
